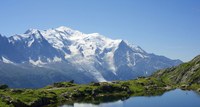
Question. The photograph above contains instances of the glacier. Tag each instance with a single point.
(61, 54)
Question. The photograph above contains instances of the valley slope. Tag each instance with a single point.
(185, 76)
(67, 92)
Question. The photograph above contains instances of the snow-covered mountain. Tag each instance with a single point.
(62, 54)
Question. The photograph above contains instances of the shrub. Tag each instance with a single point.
(3, 86)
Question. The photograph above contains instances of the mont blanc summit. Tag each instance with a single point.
(63, 54)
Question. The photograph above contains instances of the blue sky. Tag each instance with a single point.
(164, 27)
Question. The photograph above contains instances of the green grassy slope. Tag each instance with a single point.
(70, 92)
(186, 74)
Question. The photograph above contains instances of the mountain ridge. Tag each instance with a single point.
(99, 57)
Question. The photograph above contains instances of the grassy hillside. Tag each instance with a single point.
(185, 75)
(70, 92)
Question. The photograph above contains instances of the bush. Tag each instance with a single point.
(3, 86)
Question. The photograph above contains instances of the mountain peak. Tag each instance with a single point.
(66, 30)
(1, 36)
(31, 31)
(68, 53)
(132, 46)
(63, 28)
